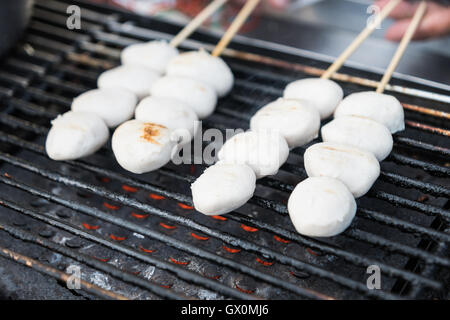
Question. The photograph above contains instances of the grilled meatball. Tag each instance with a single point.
(141, 147)
(323, 93)
(197, 95)
(321, 207)
(356, 168)
(263, 151)
(223, 188)
(200, 65)
(383, 108)
(360, 132)
(171, 113)
(154, 55)
(137, 79)
(296, 120)
(113, 105)
(75, 135)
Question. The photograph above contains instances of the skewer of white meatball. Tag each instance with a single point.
(179, 103)
(354, 142)
(275, 128)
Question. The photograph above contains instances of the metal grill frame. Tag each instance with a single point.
(106, 28)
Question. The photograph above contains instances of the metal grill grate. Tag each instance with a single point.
(139, 237)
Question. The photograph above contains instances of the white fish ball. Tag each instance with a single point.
(171, 113)
(383, 108)
(263, 151)
(356, 168)
(154, 55)
(197, 95)
(360, 132)
(137, 79)
(113, 105)
(142, 147)
(321, 207)
(202, 66)
(296, 120)
(223, 188)
(75, 135)
(325, 94)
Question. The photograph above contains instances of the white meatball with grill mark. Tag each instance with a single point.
(75, 135)
(142, 147)
(204, 67)
(323, 93)
(383, 108)
(321, 207)
(137, 79)
(296, 120)
(172, 113)
(263, 151)
(360, 132)
(154, 55)
(196, 94)
(113, 105)
(356, 168)
(223, 188)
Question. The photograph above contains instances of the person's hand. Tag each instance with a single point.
(269, 4)
(435, 23)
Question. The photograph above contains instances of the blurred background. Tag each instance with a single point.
(325, 27)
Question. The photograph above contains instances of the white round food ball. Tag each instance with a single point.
(75, 135)
(113, 105)
(296, 120)
(171, 113)
(263, 151)
(321, 207)
(325, 94)
(223, 188)
(154, 55)
(137, 79)
(141, 147)
(360, 132)
(197, 95)
(356, 168)
(383, 108)
(202, 66)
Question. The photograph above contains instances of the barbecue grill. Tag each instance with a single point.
(138, 236)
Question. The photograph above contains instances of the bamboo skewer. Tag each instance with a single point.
(240, 19)
(360, 38)
(402, 46)
(207, 12)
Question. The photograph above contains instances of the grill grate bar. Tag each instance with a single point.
(55, 273)
(432, 169)
(178, 271)
(422, 145)
(192, 224)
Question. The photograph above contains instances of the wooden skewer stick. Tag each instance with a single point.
(367, 31)
(240, 19)
(402, 46)
(207, 12)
